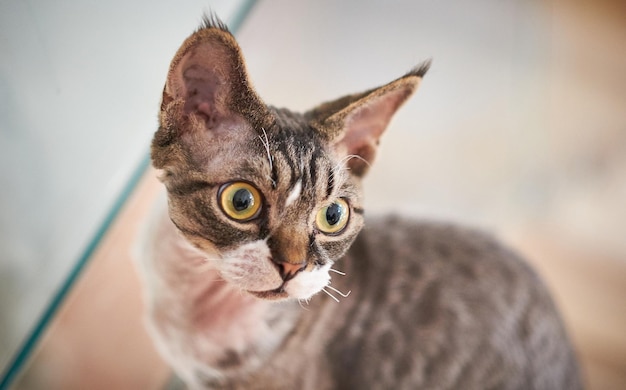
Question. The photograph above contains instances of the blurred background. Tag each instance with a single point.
(519, 128)
(80, 83)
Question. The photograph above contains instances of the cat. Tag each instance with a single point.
(260, 274)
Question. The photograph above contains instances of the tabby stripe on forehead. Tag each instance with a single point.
(305, 177)
(290, 163)
(330, 183)
(315, 157)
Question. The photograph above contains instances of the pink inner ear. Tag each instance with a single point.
(364, 126)
(201, 79)
(200, 92)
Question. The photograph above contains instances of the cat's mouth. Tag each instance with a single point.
(271, 295)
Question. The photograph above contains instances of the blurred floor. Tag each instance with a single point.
(519, 128)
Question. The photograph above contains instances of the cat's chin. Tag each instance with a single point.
(272, 295)
(286, 292)
(302, 287)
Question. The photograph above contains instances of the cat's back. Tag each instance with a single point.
(443, 307)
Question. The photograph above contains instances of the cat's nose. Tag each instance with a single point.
(289, 270)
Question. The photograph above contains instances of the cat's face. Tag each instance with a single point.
(271, 197)
(271, 213)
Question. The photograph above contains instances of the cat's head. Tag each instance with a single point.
(273, 198)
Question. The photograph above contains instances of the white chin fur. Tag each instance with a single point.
(306, 284)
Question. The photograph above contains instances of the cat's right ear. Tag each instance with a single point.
(207, 93)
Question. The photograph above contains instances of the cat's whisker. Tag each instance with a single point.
(330, 295)
(301, 305)
(345, 295)
(266, 144)
(337, 271)
(340, 166)
(344, 161)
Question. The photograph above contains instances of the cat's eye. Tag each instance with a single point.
(333, 218)
(240, 201)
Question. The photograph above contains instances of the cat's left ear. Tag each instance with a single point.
(355, 123)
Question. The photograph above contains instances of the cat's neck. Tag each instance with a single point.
(190, 298)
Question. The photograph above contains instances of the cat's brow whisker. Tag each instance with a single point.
(342, 164)
(337, 271)
(351, 156)
(338, 168)
(345, 295)
(330, 295)
(266, 144)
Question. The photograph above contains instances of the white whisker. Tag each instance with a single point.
(337, 175)
(266, 144)
(342, 164)
(337, 272)
(301, 305)
(351, 156)
(345, 295)
(330, 295)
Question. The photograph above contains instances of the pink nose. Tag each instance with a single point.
(290, 270)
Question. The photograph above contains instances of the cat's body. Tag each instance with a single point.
(264, 205)
(431, 306)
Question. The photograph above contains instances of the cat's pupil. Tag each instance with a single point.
(334, 213)
(242, 199)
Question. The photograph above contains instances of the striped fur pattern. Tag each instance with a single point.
(233, 277)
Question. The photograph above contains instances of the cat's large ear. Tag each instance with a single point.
(354, 123)
(207, 91)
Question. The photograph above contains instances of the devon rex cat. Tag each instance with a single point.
(264, 206)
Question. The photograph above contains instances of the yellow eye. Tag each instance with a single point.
(240, 201)
(333, 218)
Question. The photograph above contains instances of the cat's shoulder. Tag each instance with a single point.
(439, 236)
(453, 250)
